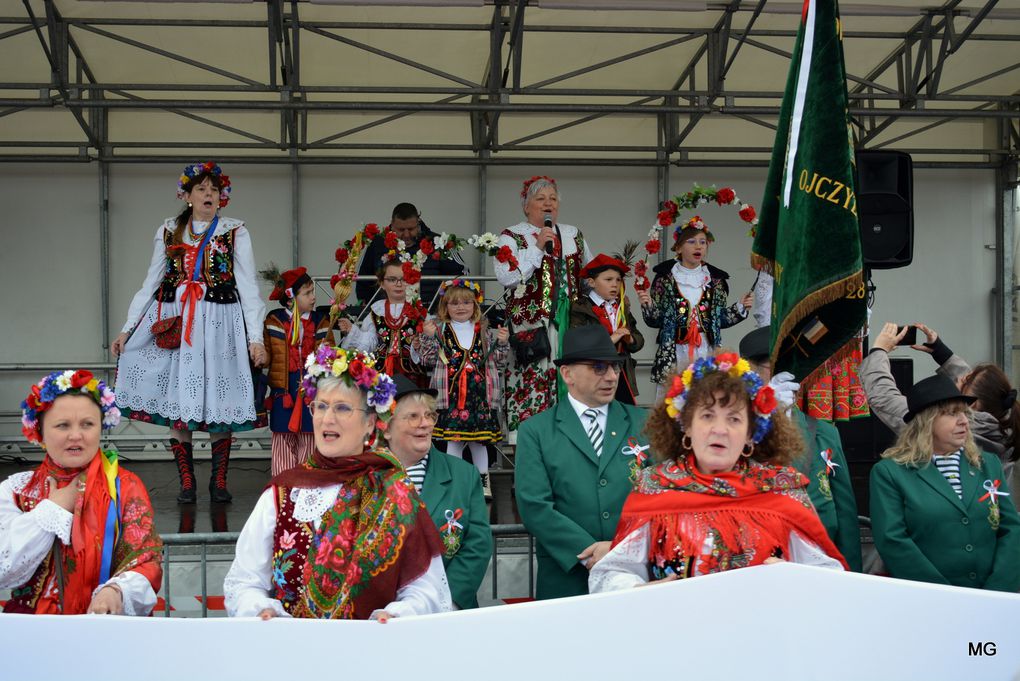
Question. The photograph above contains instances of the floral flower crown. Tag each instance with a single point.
(761, 396)
(530, 181)
(462, 283)
(43, 394)
(697, 223)
(193, 171)
(356, 369)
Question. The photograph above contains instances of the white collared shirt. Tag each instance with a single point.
(607, 305)
(580, 408)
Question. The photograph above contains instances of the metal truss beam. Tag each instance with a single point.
(918, 60)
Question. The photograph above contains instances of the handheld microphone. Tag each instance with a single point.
(547, 221)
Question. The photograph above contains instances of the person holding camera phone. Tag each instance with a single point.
(994, 415)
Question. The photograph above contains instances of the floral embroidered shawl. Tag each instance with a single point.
(748, 514)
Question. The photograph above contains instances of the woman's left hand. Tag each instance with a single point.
(108, 601)
(257, 352)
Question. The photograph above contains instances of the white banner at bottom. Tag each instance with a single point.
(779, 621)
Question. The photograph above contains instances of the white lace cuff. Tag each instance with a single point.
(52, 518)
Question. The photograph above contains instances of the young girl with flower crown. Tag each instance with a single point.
(687, 303)
(468, 360)
(391, 327)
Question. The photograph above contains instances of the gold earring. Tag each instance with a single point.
(748, 450)
(685, 442)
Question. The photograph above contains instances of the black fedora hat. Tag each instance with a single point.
(930, 391)
(406, 386)
(755, 345)
(589, 343)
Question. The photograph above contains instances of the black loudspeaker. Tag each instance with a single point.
(885, 191)
(865, 439)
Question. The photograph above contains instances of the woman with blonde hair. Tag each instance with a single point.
(940, 508)
(722, 495)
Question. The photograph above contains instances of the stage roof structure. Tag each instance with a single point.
(494, 82)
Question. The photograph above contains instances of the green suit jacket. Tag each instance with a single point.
(568, 496)
(452, 484)
(832, 494)
(924, 531)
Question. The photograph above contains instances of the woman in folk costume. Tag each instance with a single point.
(549, 257)
(76, 533)
(344, 535)
(723, 495)
(940, 507)
(606, 304)
(687, 303)
(390, 329)
(287, 344)
(192, 328)
(468, 359)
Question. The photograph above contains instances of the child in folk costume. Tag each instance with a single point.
(605, 304)
(687, 303)
(469, 359)
(390, 329)
(287, 345)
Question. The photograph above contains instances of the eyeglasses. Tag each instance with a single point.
(600, 368)
(339, 409)
(415, 419)
(392, 280)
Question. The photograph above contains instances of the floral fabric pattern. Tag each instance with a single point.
(670, 313)
(326, 573)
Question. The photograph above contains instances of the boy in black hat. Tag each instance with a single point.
(823, 461)
(575, 462)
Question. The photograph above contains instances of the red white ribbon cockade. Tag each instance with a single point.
(992, 489)
(830, 465)
(451, 520)
(635, 449)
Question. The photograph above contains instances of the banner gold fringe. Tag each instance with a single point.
(828, 294)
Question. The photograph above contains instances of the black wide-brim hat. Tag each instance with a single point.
(931, 391)
(588, 343)
(755, 345)
(406, 386)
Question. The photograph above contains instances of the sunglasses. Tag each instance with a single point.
(600, 368)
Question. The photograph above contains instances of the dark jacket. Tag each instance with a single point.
(925, 532)
(453, 485)
(670, 314)
(582, 313)
(373, 258)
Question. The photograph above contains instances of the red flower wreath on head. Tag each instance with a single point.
(530, 181)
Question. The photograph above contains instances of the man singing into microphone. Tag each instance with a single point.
(543, 277)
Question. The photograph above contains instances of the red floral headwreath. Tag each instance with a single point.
(530, 181)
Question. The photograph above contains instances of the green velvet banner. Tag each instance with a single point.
(808, 236)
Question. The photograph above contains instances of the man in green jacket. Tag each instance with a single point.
(450, 488)
(823, 461)
(575, 462)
